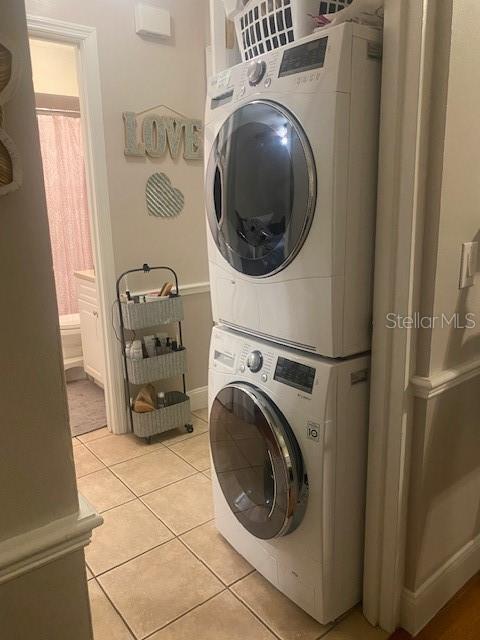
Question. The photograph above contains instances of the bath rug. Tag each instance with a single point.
(86, 405)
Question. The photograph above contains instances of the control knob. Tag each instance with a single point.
(256, 71)
(254, 361)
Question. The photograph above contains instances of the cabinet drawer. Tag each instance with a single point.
(87, 291)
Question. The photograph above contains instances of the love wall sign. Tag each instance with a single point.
(160, 133)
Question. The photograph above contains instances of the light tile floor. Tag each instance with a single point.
(158, 569)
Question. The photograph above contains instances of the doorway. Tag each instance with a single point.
(59, 117)
(84, 41)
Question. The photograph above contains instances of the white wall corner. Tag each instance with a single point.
(419, 607)
(28, 551)
(198, 398)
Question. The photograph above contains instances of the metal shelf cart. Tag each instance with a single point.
(149, 315)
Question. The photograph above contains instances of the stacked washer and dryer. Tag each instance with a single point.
(291, 166)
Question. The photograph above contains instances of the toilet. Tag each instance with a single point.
(71, 341)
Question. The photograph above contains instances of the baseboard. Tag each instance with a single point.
(419, 607)
(28, 551)
(198, 398)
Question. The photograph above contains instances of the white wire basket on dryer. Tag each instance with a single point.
(263, 25)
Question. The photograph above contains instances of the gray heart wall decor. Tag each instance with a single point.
(163, 200)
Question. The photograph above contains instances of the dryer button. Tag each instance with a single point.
(264, 377)
(242, 368)
(268, 82)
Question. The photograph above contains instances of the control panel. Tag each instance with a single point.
(304, 57)
(285, 68)
(255, 71)
(296, 375)
(256, 362)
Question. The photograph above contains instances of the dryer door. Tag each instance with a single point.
(257, 461)
(260, 188)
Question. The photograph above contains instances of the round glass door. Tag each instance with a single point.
(261, 188)
(257, 461)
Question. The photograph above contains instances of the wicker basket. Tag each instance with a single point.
(168, 365)
(176, 414)
(149, 314)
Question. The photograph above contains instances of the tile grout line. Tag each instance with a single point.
(184, 614)
(182, 458)
(175, 536)
(121, 504)
(322, 635)
(169, 484)
(166, 447)
(232, 584)
(200, 559)
(162, 444)
(134, 635)
(109, 433)
(141, 455)
(138, 555)
(221, 583)
(254, 613)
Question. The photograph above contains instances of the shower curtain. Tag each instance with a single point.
(66, 193)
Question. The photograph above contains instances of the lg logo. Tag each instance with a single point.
(313, 431)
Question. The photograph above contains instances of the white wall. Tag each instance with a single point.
(37, 475)
(54, 67)
(50, 603)
(138, 73)
(460, 205)
(36, 448)
(444, 507)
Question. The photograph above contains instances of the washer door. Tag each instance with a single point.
(257, 461)
(261, 188)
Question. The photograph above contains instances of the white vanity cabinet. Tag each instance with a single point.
(90, 325)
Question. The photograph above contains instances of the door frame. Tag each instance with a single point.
(409, 39)
(85, 39)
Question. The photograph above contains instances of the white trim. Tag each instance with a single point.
(72, 363)
(91, 107)
(28, 551)
(198, 398)
(194, 288)
(218, 36)
(408, 43)
(438, 383)
(190, 289)
(419, 607)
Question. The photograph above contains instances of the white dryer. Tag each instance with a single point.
(288, 438)
(291, 166)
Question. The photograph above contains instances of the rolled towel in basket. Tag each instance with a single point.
(145, 399)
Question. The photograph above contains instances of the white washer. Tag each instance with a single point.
(291, 166)
(288, 439)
